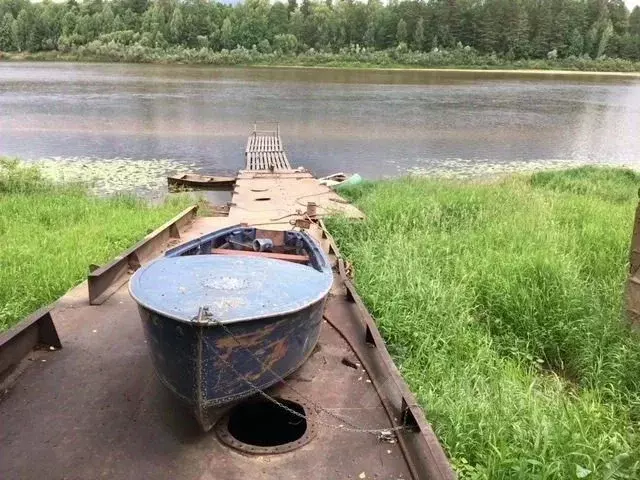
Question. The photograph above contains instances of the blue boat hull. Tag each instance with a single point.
(209, 364)
(193, 360)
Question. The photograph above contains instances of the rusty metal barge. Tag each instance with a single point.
(79, 398)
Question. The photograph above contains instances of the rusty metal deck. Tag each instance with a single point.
(95, 408)
(275, 200)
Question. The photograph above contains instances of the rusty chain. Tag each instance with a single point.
(384, 434)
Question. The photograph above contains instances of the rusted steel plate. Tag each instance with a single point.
(423, 452)
(113, 418)
(128, 425)
(35, 330)
(104, 280)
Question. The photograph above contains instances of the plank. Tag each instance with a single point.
(276, 256)
(264, 151)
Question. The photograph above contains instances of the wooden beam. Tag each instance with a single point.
(276, 256)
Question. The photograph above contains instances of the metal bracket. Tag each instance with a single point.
(36, 330)
(104, 281)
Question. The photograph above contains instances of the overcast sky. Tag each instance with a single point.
(632, 3)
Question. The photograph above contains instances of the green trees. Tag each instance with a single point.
(401, 31)
(634, 22)
(509, 29)
(278, 19)
(418, 35)
(226, 34)
(576, 43)
(177, 26)
(21, 29)
(6, 32)
(285, 42)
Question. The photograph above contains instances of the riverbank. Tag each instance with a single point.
(455, 60)
(52, 233)
(501, 303)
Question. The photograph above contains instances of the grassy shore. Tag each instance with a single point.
(502, 304)
(387, 59)
(51, 233)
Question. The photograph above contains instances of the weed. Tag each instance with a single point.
(51, 233)
(502, 303)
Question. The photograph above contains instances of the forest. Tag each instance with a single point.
(430, 32)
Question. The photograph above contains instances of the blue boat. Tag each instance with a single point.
(232, 312)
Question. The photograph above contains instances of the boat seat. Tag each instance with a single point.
(276, 256)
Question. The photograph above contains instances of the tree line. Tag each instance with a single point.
(509, 29)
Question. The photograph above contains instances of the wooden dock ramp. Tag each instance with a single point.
(273, 194)
(265, 151)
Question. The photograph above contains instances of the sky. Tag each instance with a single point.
(632, 3)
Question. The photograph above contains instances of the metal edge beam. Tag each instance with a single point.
(421, 444)
(422, 448)
(632, 290)
(16, 343)
(103, 281)
(38, 328)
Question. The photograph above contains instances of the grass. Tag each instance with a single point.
(51, 233)
(502, 303)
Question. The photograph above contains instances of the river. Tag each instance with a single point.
(377, 123)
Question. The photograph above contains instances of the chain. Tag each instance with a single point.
(382, 433)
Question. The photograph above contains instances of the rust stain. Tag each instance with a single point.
(253, 339)
(280, 350)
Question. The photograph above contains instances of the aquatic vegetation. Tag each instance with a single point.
(502, 303)
(460, 168)
(116, 175)
(51, 233)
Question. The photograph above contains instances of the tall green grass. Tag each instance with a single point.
(503, 305)
(49, 234)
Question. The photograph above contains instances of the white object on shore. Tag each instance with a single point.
(340, 179)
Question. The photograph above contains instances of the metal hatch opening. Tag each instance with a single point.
(260, 426)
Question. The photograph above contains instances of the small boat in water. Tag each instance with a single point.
(196, 181)
(231, 312)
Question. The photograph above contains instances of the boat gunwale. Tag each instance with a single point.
(194, 322)
(325, 270)
(210, 180)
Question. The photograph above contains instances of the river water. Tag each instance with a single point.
(377, 123)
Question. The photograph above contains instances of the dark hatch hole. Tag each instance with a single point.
(265, 424)
(262, 199)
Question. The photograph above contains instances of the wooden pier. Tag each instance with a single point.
(265, 152)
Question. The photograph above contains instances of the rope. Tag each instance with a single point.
(382, 433)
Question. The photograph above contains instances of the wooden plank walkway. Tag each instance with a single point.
(272, 194)
(265, 152)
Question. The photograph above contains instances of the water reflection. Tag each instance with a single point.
(378, 123)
